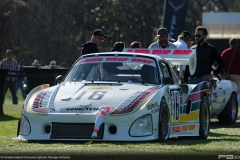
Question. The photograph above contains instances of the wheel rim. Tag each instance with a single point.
(205, 118)
(165, 122)
(234, 109)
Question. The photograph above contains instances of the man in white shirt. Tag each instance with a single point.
(183, 42)
(162, 42)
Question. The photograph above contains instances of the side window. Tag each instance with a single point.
(174, 76)
(167, 71)
(164, 69)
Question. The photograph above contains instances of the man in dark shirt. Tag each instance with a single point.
(205, 54)
(97, 38)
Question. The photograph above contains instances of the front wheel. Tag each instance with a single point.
(229, 114)
(164, 122)
(18, 128)
(204, 116)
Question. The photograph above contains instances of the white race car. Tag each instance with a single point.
(123, 96)
(224, 104)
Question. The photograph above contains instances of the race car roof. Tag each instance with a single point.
(175, 56)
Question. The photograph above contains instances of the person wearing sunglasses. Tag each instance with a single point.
(206, 54)
(97, 38)
(162, 42)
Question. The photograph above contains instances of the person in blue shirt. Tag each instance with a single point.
(19, 83)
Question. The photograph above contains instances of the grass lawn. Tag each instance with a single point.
(223, 140)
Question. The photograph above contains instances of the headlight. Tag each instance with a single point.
(142, 126)
(25, 127)
(142, 123)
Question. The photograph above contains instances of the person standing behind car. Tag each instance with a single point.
(205, 54)
(234, 70)
(192, 43)
(135, 44)
(12, 65)
(118, 47)
(183, 42)
(162, 42)
(97, 38)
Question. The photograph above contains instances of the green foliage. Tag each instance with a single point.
(55, 29)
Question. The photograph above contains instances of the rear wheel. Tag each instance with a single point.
(164, 122)
(204, 116)
(230, 112)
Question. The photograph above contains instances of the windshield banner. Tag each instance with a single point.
(139, 60)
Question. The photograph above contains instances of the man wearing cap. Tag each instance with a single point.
(162, 42)
(183, 42)
(12, 65)
(97, 38)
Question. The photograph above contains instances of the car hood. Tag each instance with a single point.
(88, 98)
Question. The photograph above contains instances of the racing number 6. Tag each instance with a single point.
(97, 95)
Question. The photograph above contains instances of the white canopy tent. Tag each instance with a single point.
(222, 25)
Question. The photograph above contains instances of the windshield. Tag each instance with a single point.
(122, 69)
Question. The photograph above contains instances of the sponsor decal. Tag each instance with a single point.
(177, 51)
(100, 88)
(142, 60)
(89, 60)
(177, 129)
(146, 51)
(154, 107)
(82, 109)
(167, 51)
(173, 53)
(117, 59)
(184, 128)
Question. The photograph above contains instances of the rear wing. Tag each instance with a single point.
(175, 56)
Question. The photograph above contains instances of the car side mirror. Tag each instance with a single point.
(58, 79)
(168, 80)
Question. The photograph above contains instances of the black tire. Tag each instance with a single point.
(18, 128)
(164, 122)
(229, 114)
(204, 118)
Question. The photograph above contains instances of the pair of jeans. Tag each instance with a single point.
(19, 84)
(12, 86)
(195, 80)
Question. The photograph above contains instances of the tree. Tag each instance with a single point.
(54, 30)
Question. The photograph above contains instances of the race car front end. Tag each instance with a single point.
(50, 115)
